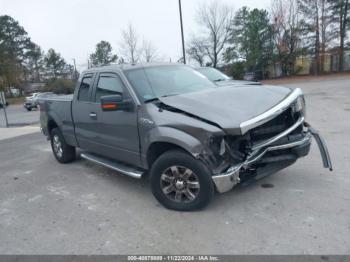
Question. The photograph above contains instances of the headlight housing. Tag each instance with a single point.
(300, 105)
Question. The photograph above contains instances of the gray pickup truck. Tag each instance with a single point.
(170, 122)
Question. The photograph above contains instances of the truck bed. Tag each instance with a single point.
(61, 98)
(59, 108)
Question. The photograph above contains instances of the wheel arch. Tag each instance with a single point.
(165, 139)
(53, 121)
(51, 124)
(156, 149)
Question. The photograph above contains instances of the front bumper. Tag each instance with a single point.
(226, 181)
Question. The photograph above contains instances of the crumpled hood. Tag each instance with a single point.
(228, 107)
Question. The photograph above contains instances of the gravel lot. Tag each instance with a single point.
(81, 208)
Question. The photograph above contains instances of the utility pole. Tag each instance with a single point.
(182, 34)
(75, 69)
(3, 101)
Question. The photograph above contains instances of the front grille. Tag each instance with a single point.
(275, 126)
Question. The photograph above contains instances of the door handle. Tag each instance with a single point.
(93, 115)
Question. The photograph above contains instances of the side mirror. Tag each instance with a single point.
(115, 103)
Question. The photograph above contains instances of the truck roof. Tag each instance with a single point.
(126, 67)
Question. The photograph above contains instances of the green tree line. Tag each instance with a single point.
(22, 61)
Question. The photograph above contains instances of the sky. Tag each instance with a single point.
(74, 27)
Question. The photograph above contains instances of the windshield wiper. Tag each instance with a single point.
(220, 80)
(151, 100)
(170, 95)
(156, 98)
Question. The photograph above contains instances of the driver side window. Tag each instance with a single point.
(109, 84)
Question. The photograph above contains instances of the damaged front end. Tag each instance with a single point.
(267, 149)
(270, 158)
(241, 152)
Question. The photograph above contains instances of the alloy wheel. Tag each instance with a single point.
(180, 184)
(57, 146)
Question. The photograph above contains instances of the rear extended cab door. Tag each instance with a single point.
(85, 127)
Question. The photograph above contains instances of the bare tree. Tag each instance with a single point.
(326, 29)
(316, 19)
(197, 50)
(341, 17)
(287, 32)
(149, 51)
(129, 47)
(215, 19)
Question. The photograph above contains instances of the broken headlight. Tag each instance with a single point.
(222, 149)
(299, 105)
(218, 145)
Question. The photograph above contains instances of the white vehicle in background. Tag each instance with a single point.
(29, 103)
(33, 100)
(220, 79)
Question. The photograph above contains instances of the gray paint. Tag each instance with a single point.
(188, 121)
(229, 107)
(186, 132)
(234, 83)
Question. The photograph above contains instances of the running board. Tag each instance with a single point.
(121, 168)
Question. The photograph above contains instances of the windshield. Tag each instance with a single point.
(154, 82)
(213, 74)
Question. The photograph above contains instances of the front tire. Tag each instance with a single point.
(63, 152)
(181, 182)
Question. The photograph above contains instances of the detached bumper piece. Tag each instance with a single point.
(326, 159)
(297, 147)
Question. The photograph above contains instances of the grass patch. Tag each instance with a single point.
(16, 100)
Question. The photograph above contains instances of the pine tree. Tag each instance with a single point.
(103, 54)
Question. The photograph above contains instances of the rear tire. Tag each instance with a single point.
(29, 108)
(181, 182)
(63, 152)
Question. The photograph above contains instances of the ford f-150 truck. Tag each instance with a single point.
(170, 122)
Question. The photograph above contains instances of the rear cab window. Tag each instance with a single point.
(85, 88)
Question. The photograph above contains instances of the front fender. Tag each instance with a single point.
(174, 136)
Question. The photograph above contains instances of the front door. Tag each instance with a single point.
(117, 131)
